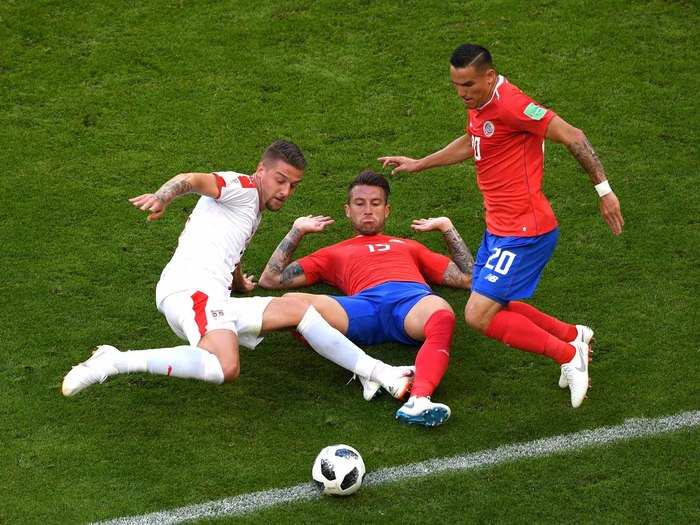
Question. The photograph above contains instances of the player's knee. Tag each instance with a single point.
(475, 319)
(295, 306)
(231, 372)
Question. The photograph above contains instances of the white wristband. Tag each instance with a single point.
(603, 188)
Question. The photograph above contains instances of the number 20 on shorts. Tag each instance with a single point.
(503, 261)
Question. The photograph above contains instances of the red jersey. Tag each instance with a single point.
(507, 135)
(365, 261)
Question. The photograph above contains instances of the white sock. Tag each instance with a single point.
(188, 362)
(333, 345)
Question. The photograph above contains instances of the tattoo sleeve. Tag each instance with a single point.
(583, 152)
(279, 267)
(455, 277)
(461, 255)
(178, 185)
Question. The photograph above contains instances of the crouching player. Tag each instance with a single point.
(194, 289)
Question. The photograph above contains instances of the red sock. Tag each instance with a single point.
(519, 332)
(559, 329)
(434, 355)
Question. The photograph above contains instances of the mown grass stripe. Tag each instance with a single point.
(246, 503)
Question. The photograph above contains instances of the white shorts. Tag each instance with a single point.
(191, 314)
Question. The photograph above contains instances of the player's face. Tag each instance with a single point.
(473, 86)
(367, 209)
(278, 180)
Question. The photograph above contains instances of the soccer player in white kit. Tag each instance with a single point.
(194, 289)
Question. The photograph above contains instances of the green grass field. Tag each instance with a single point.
(103, 101)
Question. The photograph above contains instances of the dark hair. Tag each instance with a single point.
(370, 178)
(471, 55)
(285, 151)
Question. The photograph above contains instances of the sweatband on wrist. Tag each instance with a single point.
(603, 188)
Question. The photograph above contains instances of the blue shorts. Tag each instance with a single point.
(376, 315)
(509, 268)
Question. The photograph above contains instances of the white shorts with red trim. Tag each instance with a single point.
(192, 313)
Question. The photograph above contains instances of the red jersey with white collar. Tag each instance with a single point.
(507, 135)
(366, 261)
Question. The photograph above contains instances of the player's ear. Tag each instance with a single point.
(260, 170)
(387, 210)
(347, 211)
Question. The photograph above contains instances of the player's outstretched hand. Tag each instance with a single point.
(400, 164)
(431, 224)
(150, 203)
(312, 223)
(610, 210)
(245, 284)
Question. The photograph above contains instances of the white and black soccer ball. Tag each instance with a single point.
(338, 470)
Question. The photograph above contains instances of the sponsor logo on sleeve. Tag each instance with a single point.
(534, 111)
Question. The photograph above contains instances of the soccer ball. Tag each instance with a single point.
(338, 470)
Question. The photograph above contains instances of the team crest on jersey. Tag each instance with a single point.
(489, 128)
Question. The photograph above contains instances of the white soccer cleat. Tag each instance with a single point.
(422, 411)
(393, 377)
(576, 372)
(585, 334)
(370, 389)
(398, 380)
(94, 370)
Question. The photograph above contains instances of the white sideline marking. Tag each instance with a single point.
(246, 503)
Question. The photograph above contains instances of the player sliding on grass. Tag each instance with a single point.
(384, 278)
(194, 289)
(505, 135)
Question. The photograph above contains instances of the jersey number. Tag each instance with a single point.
(476, 146)
(503, 261)
(381, 247)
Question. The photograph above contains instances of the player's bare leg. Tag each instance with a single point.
(488, 317)
(294, 310)
(430, 320)
(480, 311)
(328, 307)
(224, 345)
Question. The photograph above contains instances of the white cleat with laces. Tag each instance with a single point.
(96, 369)
(585, 334)
(576, 372)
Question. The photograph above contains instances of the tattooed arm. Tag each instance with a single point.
(580, 148)
(458, 273)
(281, 271)
(182, 184)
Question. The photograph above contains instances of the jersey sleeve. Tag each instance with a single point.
(431, 264)
(524, 114)
(234, 188)
(317, 266)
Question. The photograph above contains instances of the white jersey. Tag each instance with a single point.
(214, 239)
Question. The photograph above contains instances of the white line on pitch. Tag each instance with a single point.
(246, 503)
